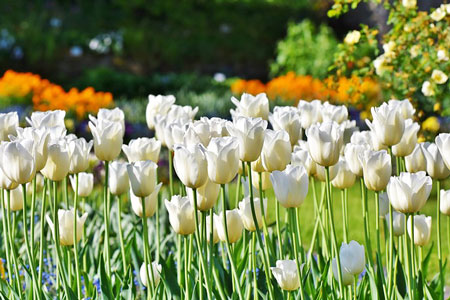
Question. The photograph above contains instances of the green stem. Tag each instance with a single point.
(106, 219)
(344, 214)
(366, 222)
(186, 268)
(158, 233)
(412, 258)
(277, 216)
(122, 246)
(377, 228)
(5, 238)
(179, 262)
(13, 247)
(75, 243)
(170, 153)
(294, 235)
(263, 214)
(253, 260)
(391, 271)
(147, 260)
(439, 246)
(33, 205)
(42, 239)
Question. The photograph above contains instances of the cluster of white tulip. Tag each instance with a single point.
(207, 155)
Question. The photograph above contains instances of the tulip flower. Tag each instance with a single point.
(250, 135)
(191, 165)
(173, 133)
(113, 115)
(351, 153)
(142, 149)
(157, 105)
(347, 278)
(422, 229)
(9, 123)
(377, 169)
(301, 157)
(408, 140)
(409, 192)
(310, 112)
(207, 195)
(398, 223)
(368, 139)
(118, 178)
(416, 161)
(197, 132)
(41, 138)
(142, 176)
(234, 226)
(17, 161)
(384, 204)
(252, 106)
(287, 118)
(150, 202)
(66, 224)
(47, 119)
(445, 202)
(58, 161)
(155, 268)
(321, 172)
(108, 139)
(344, 178)
(325, 142)
(217, 126)
(208, 231)
(15, 199)
(265, 180)
(388, 124)
(245, 185)
(286, 275)
(404, 106)
(353, 259)
(336, 113)
(79, 151)
(223, 159)
(85, 183)
(181, 215)
(246, 213)
(5, 182)
(290, 186)
(435, 164)
(443, 144)
(182, 114)
(276, 151)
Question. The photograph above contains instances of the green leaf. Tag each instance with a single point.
(105, 282)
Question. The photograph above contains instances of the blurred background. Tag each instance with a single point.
(83, 55)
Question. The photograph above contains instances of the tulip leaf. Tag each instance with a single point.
(400, 276)
(169, 278)
(426, 261)
(105, 282)
(373, 284)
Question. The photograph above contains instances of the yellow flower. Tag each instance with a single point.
(431, 124)
(439, 77)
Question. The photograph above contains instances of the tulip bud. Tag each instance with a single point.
(234, 226)
(246, 213)
(47, 119)
(445, 202)
(286, 274)
(276, 151)
(443, 143)
(351, 153)
(388, 124)
(157, 105)
(108, 139)
(416, 161)
(409, 192)
(301, 157)
(85, 183)
(336, 113)
(347, 278)
(207, 195)
(257, 165)
(398, 223)
(435, 164)
(352, 257)
(223, 159)
(252, 106)
(310, 112)
(325, 142)
(250, 135)
(9, 123)
(287, 118)
(384, 204)
(422, 229)
(181, 215)
(142, 176)
(208, 230)
(40, 137)
(79, 151)
(66, 220)
(15, 199)
(58, 161)
(156, 268)
(17, 160)
(265, 180)
(150, 203)
(345, 178)
(118, 178)
(142, 149)
(377, 169)
(290, 186)
(190, 165)
(408, 140)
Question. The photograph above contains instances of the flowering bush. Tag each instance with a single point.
(44, 95)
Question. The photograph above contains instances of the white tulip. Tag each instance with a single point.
(276, 151)
(118, 180)
(252, 106)
(388, 124)
(352, 257)
(5, 182)
(265, 180)
(111, 115)
(66, 220)
(181, 215)
(150, 202)
(246, 213)
(183, 114)
(286, 274)
(347, 278)
(345, 177)
(197, 132)
(409, 192)
(377, 169)
(445, 202)
(290, 186)
(142, 149)
(41, 138)
(398, 223)
(351, 153)
(250, 135)
(422, 229)
(17, 161)
(384, 204)
(435, 163)
(79, 151)
(15, 199)
(190, 165)
(173, 133)
(405, 106)
(443, 144)
(161, 129)
(416, 161)
(223, 159)
(207, 195)
(408, 140)
(217, 126)
(142, 176)
(287, 118)
(208, 230)
(85, 183)
(47, 119)
(157, 105)
(9, 123)
(58, 161)
(321, 172)
(336, 113)
(155, 268)
(325, 142)
(301, 157)
(234, 226)
(108, 139)
(310, 112)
